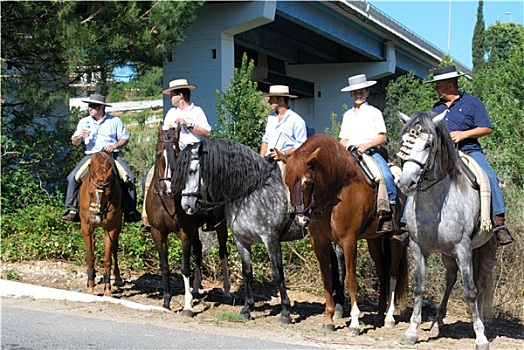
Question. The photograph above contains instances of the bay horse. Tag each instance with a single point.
(331, 194)
(443, 215)
(221, 172)
(101, 206)
(166, 216)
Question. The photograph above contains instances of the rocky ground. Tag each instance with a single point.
(307, 312)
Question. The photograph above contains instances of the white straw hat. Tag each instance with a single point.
(178, 84)
(358, 82)
(279, 90)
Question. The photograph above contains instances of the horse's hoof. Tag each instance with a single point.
(246, 315)
(284, 319)
(389, 324)
(119, 282)
(353, 331)
(338, 315)
(187, 313)
(409, 340)
(484, 346)
(328, 327)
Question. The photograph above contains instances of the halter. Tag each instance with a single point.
(95, 207)
(405, 155)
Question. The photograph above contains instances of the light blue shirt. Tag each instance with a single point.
(290, 132)
(107, 131)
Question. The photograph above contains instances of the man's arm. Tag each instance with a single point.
(474, 133)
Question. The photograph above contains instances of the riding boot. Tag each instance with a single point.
(501, 232)
(403, 235)
(385, 224)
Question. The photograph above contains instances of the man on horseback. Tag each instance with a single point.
(285, 129)
(467, 121)
(100, 132)
(195, 127)
(363, 127)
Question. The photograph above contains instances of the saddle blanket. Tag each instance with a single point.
(84, 170)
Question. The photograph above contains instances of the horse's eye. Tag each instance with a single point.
(192, 172)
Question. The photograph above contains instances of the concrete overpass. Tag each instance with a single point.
(312, 46)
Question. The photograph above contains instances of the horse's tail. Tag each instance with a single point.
(484, 258)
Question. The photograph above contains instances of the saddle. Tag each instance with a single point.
(479, 181)
(374, 177)
(117, 168)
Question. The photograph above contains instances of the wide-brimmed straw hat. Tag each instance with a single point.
(178, 84)
(97, 100)
(358, 82)
(445, 73)
(280, 91)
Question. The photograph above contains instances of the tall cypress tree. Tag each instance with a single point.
(478, 40)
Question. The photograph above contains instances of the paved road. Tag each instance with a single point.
(58, 319)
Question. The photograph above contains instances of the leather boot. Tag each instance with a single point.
(500, 230)
(385, 224)
(403, 234)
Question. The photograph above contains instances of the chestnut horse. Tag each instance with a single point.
(328, 186)
(166, 216)
(101, 206)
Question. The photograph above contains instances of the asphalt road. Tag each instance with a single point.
(57, 319)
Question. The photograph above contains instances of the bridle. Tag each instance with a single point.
(405, 155)
(95, 206)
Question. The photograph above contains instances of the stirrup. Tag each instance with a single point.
(506, 236)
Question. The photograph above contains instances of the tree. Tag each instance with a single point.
(500, 38)
(241, 111)
(478, 39)
(47, 47)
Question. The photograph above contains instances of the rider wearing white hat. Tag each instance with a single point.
(363, 127)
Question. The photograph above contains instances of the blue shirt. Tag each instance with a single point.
(107, 131)
(290, 132)
(465, 113)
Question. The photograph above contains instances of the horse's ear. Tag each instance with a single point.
(313, 156)
(403, 118)
(160, 126)
(439, 117)
(282, 156)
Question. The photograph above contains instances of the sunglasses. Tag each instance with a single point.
(94, 106)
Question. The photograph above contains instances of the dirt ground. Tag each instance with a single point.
(307, 312)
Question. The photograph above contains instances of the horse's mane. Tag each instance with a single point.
(333, 164)
(443, 148)
(229, 169)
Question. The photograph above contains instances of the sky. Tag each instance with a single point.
(429, 20)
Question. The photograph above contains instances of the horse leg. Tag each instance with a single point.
(410, 336)
(108, 255)
(89, 242)
(186, 274)
(197, 253)
(160, 240)
(451, 278)
(464, 257)
(275, 256)
(322, 249)
(377, 255)
(116, 270)
(339, 275)
(350, 251)
(397, 278)
(223, 254)
(247, 274)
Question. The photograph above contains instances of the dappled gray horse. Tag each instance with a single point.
(443, 215)
(220, 172)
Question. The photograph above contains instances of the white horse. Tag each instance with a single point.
(443, 215)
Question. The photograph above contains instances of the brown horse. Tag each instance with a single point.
(165, 216)
(329, 187)
(101, 206)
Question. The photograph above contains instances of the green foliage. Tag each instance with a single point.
(230, 317)
(407, 94)
(336, 123)
(241, 111)
(478, 39)
(500, 38)
(144, 86)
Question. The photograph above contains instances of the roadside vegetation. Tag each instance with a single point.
(37, 155)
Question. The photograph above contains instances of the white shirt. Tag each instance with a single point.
(192, 114)
(362, 125)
